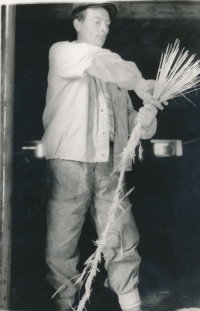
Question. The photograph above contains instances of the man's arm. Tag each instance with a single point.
(73, 60)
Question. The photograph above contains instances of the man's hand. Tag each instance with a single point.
(144, 89)
(155, 103)
(147, 115)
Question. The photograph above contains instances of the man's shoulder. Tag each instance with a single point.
(60, 46)
(70, 48)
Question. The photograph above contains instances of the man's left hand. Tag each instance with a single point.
(146, 115)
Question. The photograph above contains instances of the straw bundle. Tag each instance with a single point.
(177, 75)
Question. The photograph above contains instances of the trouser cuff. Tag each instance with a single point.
(130, 300)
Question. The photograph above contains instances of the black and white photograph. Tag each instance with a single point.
(100, 155)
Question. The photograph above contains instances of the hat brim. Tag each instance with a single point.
(110, 7)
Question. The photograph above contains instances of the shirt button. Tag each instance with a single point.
(104, 133)
(101, 110)
(103, 155)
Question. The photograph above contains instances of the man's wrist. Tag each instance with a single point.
(141, 84)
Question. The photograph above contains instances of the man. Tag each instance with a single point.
(87, 119)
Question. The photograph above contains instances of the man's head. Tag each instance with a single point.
(92, 21)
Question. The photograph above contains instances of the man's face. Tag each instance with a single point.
(94, 28)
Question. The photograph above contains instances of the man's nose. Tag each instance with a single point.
(104, 28)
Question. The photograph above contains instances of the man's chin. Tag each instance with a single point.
(100, 44)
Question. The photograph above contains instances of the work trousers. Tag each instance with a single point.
(75, 187)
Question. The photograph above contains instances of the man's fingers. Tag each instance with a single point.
(149, 108)
(147, 114)
(155, 103)
(152, 101)
(165, 103)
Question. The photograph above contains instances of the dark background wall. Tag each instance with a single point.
(166, 198)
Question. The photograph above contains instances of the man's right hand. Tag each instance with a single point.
(144, 89)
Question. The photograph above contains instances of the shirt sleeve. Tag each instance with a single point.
(73, 60)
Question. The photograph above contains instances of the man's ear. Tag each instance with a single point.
(76, 23)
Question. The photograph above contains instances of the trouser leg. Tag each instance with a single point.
(69, 196)
(122, 267)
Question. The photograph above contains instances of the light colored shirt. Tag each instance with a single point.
(111, 120)
(76, 117)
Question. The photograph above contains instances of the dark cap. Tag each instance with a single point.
(109, 6)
